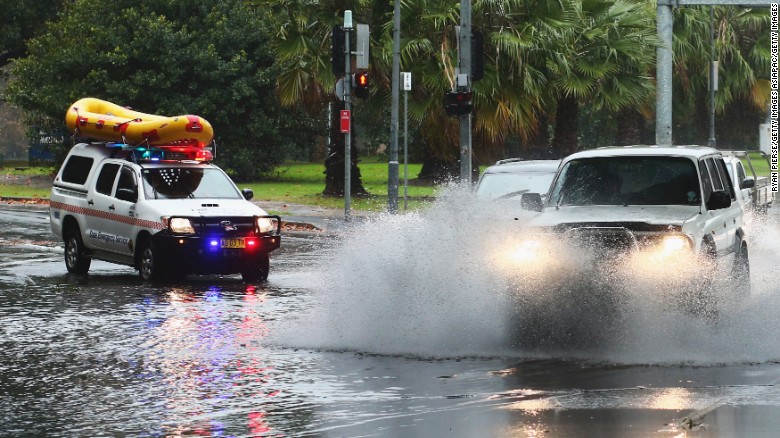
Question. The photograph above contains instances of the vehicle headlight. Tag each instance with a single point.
(674, 244)
(525, 251)
(179, 225)
(265, 225)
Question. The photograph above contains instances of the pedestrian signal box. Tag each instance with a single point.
(457, 103)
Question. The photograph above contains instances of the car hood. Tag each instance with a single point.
(674, 215)
(206, 207)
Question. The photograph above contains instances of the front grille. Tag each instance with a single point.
(603, 240)
(213, 226)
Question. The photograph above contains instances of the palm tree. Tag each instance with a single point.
(742, 48)
(303, 48)
(604, 60)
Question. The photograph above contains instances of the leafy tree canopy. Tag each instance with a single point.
(20, 20)
(166, 57)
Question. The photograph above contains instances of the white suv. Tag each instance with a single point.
(664, 215)
(159, 211)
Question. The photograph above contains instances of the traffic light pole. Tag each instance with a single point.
(347, 107)
(392, 165)
(463, 82)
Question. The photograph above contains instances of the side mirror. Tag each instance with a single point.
(747, 183)
(531, 201)
(719, 200)
(248, 194)
(128, 195)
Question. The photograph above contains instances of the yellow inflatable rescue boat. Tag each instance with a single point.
(102, 120)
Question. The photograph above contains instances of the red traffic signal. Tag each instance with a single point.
(360, 83)
(457, 103)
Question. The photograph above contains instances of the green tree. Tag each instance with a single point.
(742, 48)
(166, 57)
(603, 61)
(21, 20)
(302, 44)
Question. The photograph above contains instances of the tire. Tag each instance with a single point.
(150, 265)
(258, 271)
(76, 259)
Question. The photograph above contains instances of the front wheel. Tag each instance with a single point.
(75, 259)
(150, 266)
(258, 271)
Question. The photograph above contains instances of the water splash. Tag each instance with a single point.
(430, 284)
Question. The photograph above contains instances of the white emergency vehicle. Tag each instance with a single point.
(163, 210)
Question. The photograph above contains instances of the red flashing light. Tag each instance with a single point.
(193, 153)
(251, 244)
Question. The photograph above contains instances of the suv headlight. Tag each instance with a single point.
(675, 243)
(179, 225)
(265, 225)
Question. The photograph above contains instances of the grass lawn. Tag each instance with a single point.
(299, 183)
(303, 183)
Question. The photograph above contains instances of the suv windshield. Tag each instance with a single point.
(187, 182)
(507, 185)
(627, 181)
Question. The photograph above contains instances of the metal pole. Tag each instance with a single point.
(663, 105)
(711, 139)
(464, 83)
(392, 165)
(406, 148)
(348, 107)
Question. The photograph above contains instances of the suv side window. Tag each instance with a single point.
(127, 183)
(723, 173)
(105, 181)
(706, 182)
(77, 169)
(717, 183)
(740, 174)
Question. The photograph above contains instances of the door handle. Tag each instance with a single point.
(111, 207)
(91, 202)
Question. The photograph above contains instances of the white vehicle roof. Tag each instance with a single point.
(507, 166)
(692, 152)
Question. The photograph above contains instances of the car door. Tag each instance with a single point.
(123, 211)
(732, 215)
(100, 202)
(721, 224)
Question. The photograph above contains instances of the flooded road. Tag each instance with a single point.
(395, 329)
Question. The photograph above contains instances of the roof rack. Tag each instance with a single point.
(509, 160)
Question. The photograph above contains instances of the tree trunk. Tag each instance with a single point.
(566, 119)
(334, 162)
(629, 127)
(437, 171)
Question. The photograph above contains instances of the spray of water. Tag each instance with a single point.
(433, 284)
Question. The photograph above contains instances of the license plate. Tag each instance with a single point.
(232, 243)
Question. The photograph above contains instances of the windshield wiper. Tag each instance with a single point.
(513, 194)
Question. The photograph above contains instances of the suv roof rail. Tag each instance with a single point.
(509, 160)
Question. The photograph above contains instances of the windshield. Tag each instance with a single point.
(508, 185)
(188, 182)
(627, 181)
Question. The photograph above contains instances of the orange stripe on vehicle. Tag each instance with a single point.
(106, 215)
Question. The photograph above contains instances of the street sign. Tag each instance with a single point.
(406, 79)
(345, 121)
(361, 41)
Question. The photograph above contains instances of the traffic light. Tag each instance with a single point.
(338, 55)
(477, 56)
(457, 103)
(360, 83)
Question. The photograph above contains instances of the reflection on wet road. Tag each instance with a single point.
(108, 355)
